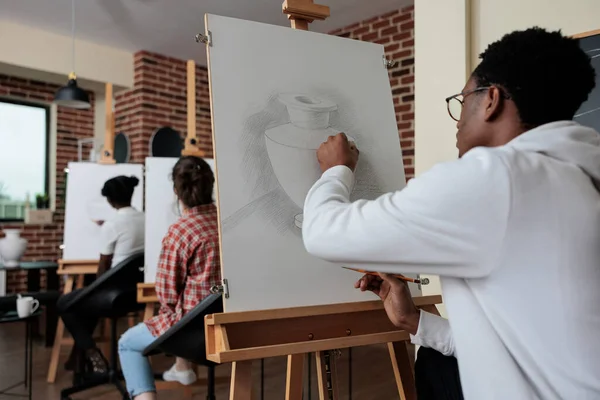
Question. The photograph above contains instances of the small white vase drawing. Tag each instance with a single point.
(12, 247)
(292, 146)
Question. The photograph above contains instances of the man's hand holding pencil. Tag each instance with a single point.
(396, 298)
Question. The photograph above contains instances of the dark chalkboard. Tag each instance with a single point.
(122, 148)
(589, 112)
(166, 142)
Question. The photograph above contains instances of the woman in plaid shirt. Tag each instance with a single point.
(188, 267)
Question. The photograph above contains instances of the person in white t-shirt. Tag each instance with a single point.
(512, 227)
(121, 237)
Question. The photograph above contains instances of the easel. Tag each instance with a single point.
(77, 269)
(109, 133)
(241, 337)
(191, 142)
(73, 269)
(146, 292)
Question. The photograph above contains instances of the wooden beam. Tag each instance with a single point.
(191, 141)
(108, 156)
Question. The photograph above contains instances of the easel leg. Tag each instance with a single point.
(148, 311)
(241, 381)
(295, 371)
(403, 370)
(105, 337)
(58, 337)
(80, 281)
(326, 375)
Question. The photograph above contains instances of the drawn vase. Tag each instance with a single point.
(12, 247)
(292, 147)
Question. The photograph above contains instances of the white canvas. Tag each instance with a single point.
(85, 204)
(161, 208)
(277, 93)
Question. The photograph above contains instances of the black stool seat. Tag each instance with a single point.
(185, 339)
(112, 295)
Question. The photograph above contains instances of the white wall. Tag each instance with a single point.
(449, 36)
(441, 65)
(100, 118)
(491, 19)
(35, 49)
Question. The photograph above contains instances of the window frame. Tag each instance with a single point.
(45, 107)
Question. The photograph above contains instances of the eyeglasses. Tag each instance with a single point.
(455, 105)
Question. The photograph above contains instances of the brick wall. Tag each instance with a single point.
(43, 240)
(395, 30)
(158, 99)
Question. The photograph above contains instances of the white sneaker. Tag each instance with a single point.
(184, 377)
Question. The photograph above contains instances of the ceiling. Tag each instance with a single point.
(168, 26)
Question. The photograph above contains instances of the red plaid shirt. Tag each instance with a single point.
(188, 266)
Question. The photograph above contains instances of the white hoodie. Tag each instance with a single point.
(514, 232)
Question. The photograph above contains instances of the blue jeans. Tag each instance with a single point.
(137, 371)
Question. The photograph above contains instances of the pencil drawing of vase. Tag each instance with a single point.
(292, 146)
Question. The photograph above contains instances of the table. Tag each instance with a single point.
(34, 269)
(10, 317)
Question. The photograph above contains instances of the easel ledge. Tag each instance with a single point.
(77, 267)
(242, 336)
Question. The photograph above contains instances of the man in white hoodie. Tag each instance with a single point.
(512, 227)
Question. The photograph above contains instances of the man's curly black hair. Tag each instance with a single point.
(546, 74)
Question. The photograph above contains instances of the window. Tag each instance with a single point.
(24, 147)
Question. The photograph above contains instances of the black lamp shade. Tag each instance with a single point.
(72, 96)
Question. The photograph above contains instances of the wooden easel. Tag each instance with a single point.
(108, 156)
(77, 269)
(241, 337)
(191, 141)
(73, 269)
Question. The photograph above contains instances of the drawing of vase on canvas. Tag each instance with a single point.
(292, 147)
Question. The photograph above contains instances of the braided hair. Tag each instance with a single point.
(119, 190)
(193, 181)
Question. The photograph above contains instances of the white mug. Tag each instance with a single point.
(26, 306)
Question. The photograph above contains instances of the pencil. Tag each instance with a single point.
(424, 281)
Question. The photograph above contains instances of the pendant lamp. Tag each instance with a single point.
(71, 95)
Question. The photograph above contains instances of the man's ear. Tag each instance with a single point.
(493, 103)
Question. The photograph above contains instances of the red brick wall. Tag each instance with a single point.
(395, 30)
(43, 240)
(158, 99)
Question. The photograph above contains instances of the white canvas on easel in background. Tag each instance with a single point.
(85, 204)
(161, 208)
(277, 94)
